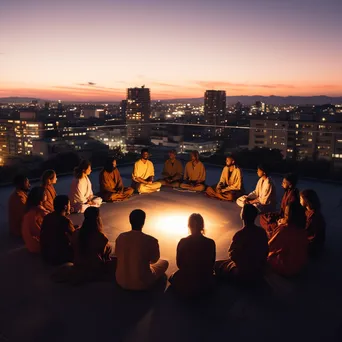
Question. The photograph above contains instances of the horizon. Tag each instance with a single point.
(95, 51)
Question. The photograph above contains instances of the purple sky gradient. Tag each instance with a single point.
(51, 49)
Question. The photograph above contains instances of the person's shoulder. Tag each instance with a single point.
(150, 238)
(210, 241)
(149, 162)
(270, 180)
(240, 233)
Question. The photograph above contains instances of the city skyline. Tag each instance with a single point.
(61, 50)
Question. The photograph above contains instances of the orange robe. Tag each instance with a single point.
(112, 188)
(50, 194)
(31, 225)
(16, 211)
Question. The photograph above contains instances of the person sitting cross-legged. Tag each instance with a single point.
(288, 248)
(247, 255)
(17, 204)
(143, 175)
(92, 251)
(195, 259)
(268, 221)
(315, 222)
(138, 263)
(49, 178)
(56, 232)
(111, 184)
(81, 192)
(33, 219)
(264, 196)
(194, 175)
(172, 172)
(230, 187)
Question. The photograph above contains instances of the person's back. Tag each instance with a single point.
(196, 256)
(195, 260)
(249, 250)
(135, 251)
(288, 250)
(55, 239)
(93, 257)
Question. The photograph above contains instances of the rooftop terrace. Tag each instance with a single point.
(306, 308)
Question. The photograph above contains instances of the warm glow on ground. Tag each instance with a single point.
(172, 224)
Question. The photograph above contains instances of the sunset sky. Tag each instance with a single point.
(96, 49)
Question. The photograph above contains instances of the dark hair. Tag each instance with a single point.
(292, 178)
(231, 157)
(249, 213)
(264, 168)
(60, 202)
(144, 150)
(311, 199)
(48, 175)
(296, 215)
(19, 180)
(109, 165)
(196, 223)
(35, 197)
(137, 219)
(83, 165)
(173, 151)
(92, 223)
(195, 153)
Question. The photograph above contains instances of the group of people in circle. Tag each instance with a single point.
(283, 242)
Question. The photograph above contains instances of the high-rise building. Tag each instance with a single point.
(298, 139)
(16, 136)
(214, 107)
(138, 111)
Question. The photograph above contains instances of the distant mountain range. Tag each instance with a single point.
(247, 100)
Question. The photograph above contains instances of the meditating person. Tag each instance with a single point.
(33, 219)
(143, 174)
(56, 232)
(315, 222)
(111, 184)
(264, 196)
(138, 264)
(194, 175)
(230, 186)
(291, 194)
(17, 204)
(91, 249)
(195, 261)
(247, 255)
(288, 248)
(81, 192)
(172, 172)
(49, 178)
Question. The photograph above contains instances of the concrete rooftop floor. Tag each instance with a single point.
(32, 308)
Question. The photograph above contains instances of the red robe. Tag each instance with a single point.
(315, 228)
(268, 221)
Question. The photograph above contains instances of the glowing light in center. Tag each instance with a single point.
(172, 224)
